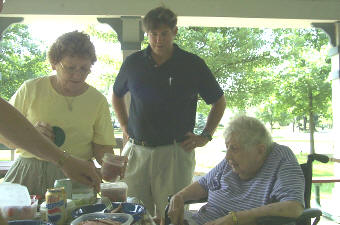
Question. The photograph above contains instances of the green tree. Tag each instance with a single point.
(109, 66)
(238, 58)
(21, 59)
(305, 90)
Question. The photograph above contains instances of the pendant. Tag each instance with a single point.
(69, 103)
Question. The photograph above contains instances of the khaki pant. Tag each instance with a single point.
(154, 173)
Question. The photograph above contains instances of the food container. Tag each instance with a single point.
(125, 219)
(116, 192)
(15, 202)
(28, 222)
(112, 166)
(20, 212)
(82, 194)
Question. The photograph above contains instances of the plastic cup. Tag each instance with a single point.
(116, 191)
(112, 166)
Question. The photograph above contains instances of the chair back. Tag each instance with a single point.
(307, 169)
(308, 173)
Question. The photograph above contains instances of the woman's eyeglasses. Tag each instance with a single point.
(73, 70)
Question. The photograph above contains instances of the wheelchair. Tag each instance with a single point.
(308, 213)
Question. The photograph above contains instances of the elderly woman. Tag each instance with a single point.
(64, 100)
(257, 178)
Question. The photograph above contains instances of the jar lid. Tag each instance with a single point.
(109, 185)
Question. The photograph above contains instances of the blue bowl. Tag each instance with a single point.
(135, 210)
(123, 218)
(28, 222)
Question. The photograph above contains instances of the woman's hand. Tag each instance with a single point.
(176, 210)
(45, 129)
(82, 171)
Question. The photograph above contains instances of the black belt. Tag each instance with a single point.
(152, 144)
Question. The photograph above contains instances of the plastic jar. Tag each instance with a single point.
(112, 166)
(116, 192)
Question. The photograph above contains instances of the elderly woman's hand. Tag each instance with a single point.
(45, 129)
(176, 210)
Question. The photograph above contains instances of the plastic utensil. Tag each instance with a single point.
(107, 202)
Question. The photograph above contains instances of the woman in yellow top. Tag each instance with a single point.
(64, 100)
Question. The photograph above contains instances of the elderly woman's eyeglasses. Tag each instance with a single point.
(73, 70)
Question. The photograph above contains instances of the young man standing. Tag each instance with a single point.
(164, 82)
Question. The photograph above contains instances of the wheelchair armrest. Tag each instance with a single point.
(191, 201)
(310, 213)
(278, 220)
(196, 201)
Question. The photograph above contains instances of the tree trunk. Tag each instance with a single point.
(304, 123)
(311, 121)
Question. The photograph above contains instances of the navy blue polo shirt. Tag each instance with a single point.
(164, 98)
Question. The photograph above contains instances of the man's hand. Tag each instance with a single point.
(82, 171)
(176, 210)
(193, 141)
(122, 171)
(45, 129)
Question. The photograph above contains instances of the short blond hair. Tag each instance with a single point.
(73, 43)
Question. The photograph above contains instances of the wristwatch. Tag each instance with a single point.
(206, 135)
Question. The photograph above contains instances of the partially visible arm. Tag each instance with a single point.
(18, 130)
(215, 115)
(2, 221)
(121, 112)
(7, 143)
(176, 208)
(291, 209)
(100, 150)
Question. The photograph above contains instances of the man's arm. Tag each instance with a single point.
(214, 117)
(121, 113)
(18, 130)
(291, 209)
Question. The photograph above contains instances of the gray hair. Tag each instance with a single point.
(249, 131)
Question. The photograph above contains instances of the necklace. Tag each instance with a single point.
(69, 103)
